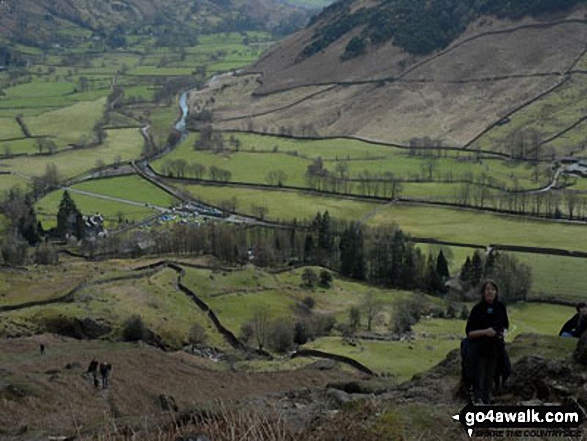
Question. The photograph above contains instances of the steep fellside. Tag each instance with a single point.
(492, 69)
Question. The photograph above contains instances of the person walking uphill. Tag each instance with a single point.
(105, 369)
(485, 327)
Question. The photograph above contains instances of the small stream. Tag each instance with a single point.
(183, 105)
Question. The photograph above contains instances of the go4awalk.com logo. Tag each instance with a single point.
(522, 421)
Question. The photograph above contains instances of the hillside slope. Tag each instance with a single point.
(388, 94)
(59, 21)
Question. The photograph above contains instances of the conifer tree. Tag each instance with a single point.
(69, 218)
(476, 268)
(442, 266)
(466, 272)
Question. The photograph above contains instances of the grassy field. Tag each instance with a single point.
(69, 125)
(234, 296)
(395, 358)
(9, 128)
(479, 228)
(120, 144)
(18, 146)
(12, 181)
(556, 276)
(284, 206)
(132, 188)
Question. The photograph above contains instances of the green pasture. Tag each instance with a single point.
(18, 146)
(332, 149)
(467, 226)
(208, 283)
(556, 276)
(433, 191)
(19, 103)
(132, 188)
(234, 296)
(234, 310)
(70, 124)
(11, 181)
(48, 207)
(437, 328)
(281, 205)
(548, 116)
(40, 89)
(9, 128)
(144, 93)
(245, 167)
(31, 106)
(124, 144)
(225, 38)
(539, 318)
(580, 184)
(111, 62)
(153, 71)
(406, 167)
(401, 359)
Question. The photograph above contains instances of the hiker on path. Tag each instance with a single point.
(485, 327)
(105, 369)
(42, 349)
(577, 324)
(93, 370)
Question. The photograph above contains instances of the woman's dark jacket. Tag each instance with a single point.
(485, 316)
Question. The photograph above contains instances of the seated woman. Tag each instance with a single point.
(487, 322)
(577, 324)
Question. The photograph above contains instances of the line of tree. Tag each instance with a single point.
(180, 168)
